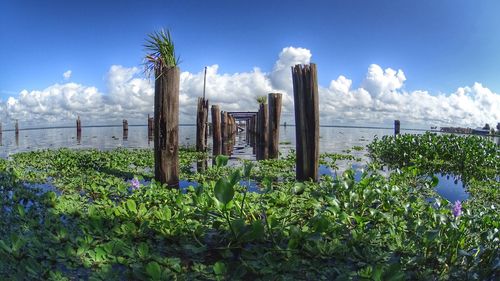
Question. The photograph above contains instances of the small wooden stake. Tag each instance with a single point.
(397, 127)
(305, 92)
(202, 130)
(274, 124)
(125, 129)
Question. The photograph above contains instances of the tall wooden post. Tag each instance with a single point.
(216, 134)
(78, 125)
(262, 132)
(201, 125)
(305, 92)
(125, 129)
(274, 124)
(202, 130)
(397, 127)
(166, 126)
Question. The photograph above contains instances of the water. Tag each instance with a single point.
(332, 139)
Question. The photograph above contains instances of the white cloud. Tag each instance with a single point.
(67, 75)
(379, 99)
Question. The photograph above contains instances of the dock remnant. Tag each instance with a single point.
(274, 101)
(305, 92)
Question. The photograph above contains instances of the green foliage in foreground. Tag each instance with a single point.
(94, 225)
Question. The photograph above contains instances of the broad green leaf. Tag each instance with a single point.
(131, 206)
(298, 188)
(224, 192)
(153, 270)
(221, 160)
(220, 268)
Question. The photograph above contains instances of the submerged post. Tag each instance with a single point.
(274, 124)
(166, 125)
(216, 128)
(397, 126)
(305, 92)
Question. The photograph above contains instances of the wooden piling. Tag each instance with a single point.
(201, 125)
(305, 91)
(216, 134)
(166, 126)
(17, 128)
(397, 127)
(78, 125)
(202, 130)
(224, 136)
(150, 127)
(125, 129)
(274, 100)
(262, 132)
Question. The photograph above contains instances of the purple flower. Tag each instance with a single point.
(457, 208)
(134, 184)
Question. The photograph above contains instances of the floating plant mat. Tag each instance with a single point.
(110, 221)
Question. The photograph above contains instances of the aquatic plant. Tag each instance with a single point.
(160, 52)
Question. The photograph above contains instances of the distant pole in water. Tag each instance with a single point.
(125, 129)
(17, 127)
(78, 125)
(397, 126)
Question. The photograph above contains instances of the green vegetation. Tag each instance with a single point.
(161, 51)
(87, 214)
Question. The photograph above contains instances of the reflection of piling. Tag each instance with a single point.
(274, 124)
(150, 128)
(305, 92)
(125, 129)
(397, 127)
(216, 127)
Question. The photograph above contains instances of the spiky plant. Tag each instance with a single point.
(160, 52)
(262, 99)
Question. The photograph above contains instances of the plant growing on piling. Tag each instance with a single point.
(261, 99)
(160, 51)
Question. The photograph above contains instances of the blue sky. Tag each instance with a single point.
(440, 45)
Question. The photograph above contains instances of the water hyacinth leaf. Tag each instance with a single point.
(132, 207)
(220, 268)
(153, 270)
(224, 192)
(221, 161)
(247, 169)
(435, 181)
(298, 188)
(235, 177)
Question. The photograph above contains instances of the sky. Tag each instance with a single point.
(427, 62)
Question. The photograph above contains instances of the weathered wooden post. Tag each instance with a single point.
(216, 127)
(305, 92)
(201, 125)
(263, 132)
(125, 129)
(274, 124)
(223, 131)
(202, 130)
(150, 127)
(166, 125)
(397, 126)
(78, 125)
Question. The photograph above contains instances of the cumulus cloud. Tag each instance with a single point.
(67, 75)
(380, 98)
